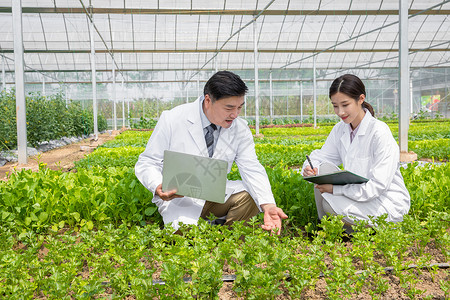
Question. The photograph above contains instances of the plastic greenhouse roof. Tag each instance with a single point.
(187, 35)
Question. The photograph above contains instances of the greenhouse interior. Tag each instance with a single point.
(94, 92)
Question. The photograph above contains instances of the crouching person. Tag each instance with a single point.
(210, 127)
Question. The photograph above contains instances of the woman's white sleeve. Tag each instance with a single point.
(329, 151)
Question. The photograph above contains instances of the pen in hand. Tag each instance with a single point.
(310, 164)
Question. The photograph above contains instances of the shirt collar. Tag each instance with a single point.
(354, 131)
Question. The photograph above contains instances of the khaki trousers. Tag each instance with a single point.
(238, 207)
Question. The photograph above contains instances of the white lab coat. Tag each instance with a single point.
(373, 154)
(180, 129)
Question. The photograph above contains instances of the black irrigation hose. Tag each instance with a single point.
(231, 278)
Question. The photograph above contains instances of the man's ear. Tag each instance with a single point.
(207, 102)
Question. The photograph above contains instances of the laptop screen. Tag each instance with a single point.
(195, 176)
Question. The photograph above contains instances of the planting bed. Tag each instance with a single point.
(94, 233)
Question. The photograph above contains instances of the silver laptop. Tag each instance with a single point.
(195, 176)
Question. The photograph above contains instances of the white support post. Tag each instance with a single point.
(411, 106)
(403, 77)
(255, 54)
(114, 94)
(128, 112)
(3, 74)
(215, 64)
(123, 105)
(43, 85)
(143, 107)
(20, 83)
(93, 74)
(198, 88)
(301, 101)
(287, 102)
(245, 106)
(314, 92)
(157, 108)
(271, 97)
(66, 92)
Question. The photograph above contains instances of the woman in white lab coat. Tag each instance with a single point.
(365, 146)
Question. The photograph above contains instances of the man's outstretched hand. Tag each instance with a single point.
(166, 196)
(272, 217)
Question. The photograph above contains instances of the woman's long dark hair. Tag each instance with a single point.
(351, 86)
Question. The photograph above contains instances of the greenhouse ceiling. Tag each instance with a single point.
(194, 35)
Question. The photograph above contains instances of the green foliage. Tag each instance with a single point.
(129, 138)
(429, 188)
(48, 118)
(293, 194)
(435, 149)
(111, 157)
(52, 199)
(123, 262)
(424, 131)
(86, 234)
(272, 154)
(144, 123)
(295, 131)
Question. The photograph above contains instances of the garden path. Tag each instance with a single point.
(62, 158)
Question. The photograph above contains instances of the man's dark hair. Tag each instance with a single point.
(224, 84)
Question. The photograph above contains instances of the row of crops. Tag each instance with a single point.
(48, 118)
(94, 233)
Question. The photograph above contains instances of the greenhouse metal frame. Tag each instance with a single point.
(162, 50)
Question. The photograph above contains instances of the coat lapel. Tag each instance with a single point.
(195, 127)
(345, 138)
(355, 147)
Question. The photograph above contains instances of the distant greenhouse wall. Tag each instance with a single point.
(148, 93)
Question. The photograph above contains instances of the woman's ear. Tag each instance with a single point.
(361, 99)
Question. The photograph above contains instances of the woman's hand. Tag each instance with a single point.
(309, 172)
(324, 188)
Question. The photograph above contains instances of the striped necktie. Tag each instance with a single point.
(209, 138)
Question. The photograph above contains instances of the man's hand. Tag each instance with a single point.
(166, 196)
(272, 217)
(324, 188)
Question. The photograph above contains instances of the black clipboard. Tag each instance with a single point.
(337, 178)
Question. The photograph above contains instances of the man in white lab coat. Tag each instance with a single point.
(210, 127)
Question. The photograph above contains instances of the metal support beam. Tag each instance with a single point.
(245, 106)
(271, 97)
(434, 48)
(43, 85)
(94, 79)
(128, 111)
(114, 94)
(255, 59)
(21, 115)
(208, 12)
(314, 91)
(301, 101)
(198, 87)
(403, 77)
(411, 106)
(3, 74)
(123, 105)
